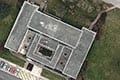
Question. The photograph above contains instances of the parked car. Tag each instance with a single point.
(12, 70)
(2, 64)
(16, 72)
(7, 67)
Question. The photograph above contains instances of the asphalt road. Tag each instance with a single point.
(6, 76)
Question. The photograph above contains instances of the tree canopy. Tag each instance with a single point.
(4, 10)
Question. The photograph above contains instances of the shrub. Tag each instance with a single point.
(1, 46)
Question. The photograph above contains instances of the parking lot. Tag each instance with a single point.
(5, 76)
(17, 72)
(11, 69)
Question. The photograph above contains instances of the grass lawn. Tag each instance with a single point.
(51, 76)
(5, 27)
(77, 13)
(7, 56)
(104, 57)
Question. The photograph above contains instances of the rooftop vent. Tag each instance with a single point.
(42, 23)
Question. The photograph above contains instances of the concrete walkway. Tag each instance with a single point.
(109, 9)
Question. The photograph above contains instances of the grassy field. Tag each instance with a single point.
(104, 57)
(5, 27)
(51, 76)
(77, 13)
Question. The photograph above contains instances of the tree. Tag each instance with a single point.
(1, 46)
(4, 10)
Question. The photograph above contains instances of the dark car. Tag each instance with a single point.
(2, 63)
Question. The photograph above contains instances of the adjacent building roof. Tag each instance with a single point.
(49, 41)
(19, 28)
(54, 28)
(78, 56)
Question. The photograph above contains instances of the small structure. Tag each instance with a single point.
(49, 41)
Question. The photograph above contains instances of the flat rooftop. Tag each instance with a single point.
(54, 28)
(49, 41)
(76, 59)
(19, 28)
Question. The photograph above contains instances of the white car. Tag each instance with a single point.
(7, 67)
(16, 71)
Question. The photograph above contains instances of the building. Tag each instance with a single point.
(49, 41)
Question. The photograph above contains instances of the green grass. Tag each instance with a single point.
(7, 23)
(8, 56)
(104, 57)
(51, 76)
(78, 13)
(5, 27)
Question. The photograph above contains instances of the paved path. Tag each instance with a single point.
(109, 9)
(116, 3)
